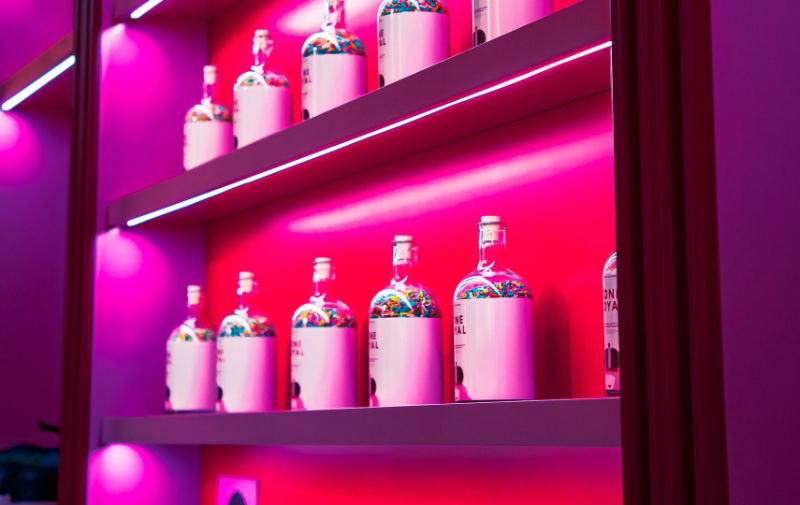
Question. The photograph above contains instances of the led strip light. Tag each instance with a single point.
(374, 133)
(38, 83)
(144, 8)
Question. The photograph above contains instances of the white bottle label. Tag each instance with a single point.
(492, 18)
(246, 373)
(259, 111)
(329, 80)
(191, 375)
(611, 330)
(405, 361)
(409, 42)
(494, 349)
(323, 368)
(205, 140)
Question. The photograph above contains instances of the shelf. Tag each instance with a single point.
(56, 93)
(192, 9)
(585, 423)
(556, 60)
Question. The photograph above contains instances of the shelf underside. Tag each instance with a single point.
(525, 54)
(577, 423)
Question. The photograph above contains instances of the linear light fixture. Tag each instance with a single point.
(374, 133)
(36, 85)
(144, 8)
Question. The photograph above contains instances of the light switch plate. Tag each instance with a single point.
(237, 491)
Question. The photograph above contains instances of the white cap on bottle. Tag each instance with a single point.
(402, 245)
(193, 294)
(209, 75)
(490, 226)
(260, 40)
(246, 282)
(322, 268)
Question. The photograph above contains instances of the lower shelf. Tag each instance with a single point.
(582, 422)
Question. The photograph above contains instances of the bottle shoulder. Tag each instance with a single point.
(213, 112)
(251, 78)
(188, 332)
(322, 313)
(246, 325)
(404, 299)
(340, 41)
(610, 266)
(492, 284)
(389, 7)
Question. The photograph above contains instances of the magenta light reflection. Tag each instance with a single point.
(374, 133)
(144, 8)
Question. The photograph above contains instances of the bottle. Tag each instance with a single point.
(246, 358)
(334, 64)
(492, 18)
(262, 103)
(191, 361)
(405, 336)
(207, 128)
(323, 347)
(493, 325)
(611, 325)
(412, 35)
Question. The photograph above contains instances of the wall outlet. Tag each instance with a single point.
(237, 491)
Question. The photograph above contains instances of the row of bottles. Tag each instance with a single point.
(412, 35)
(492, 331)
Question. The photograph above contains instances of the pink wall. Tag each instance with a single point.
(420, 475)
(34, 166)
(757, 77)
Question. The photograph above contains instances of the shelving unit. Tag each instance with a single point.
(520, 126)
(554, 69)
(581, 423)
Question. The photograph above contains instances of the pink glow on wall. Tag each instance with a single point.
(20, 149)
(420, 475)
(123, 474)
(488, 175)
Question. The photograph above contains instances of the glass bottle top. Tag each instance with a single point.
(334, 38)
(492, 278)
(323, 308)
(244, 322)
(191, 330)
(259, 75)
(405, 296)
(206, 110)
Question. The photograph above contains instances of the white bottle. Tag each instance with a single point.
(493, 325)
(207, 127)
(492, 18)
(262, 103)
(191, 361)
(323, 347)
(412, 35)
(246, 356)
(405, 336)
(611, 325)
(334, 64)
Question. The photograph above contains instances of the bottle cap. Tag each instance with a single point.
(322, 268)
(209, 75)
(490, 226)
(246, 282)
(491, 219)
(193, 294)
(403, 238)
(260, 40)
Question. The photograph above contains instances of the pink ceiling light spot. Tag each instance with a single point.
(20, 149)
(119, 469)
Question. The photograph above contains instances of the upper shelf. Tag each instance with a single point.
(563, 423)
(199, 9)
(561, 58)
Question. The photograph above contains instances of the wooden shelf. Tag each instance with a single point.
(533, 47)
(584, 422)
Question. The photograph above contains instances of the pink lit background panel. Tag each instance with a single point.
(420, 475)
(290, 22)
(550, 176)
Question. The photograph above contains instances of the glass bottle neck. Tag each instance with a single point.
(208, 93)
(192, 313)
(404, 261)
(260, 60)
(323, 288)
(334, 15)
(245, 302)
(492, 250)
